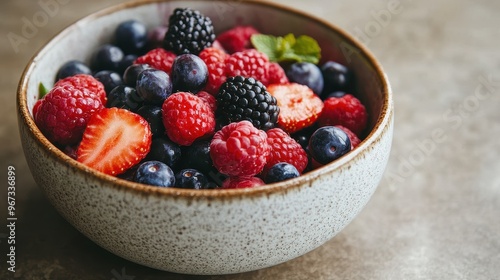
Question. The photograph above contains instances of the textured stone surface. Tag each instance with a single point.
(435, 214)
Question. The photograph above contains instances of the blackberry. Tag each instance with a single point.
(243, 98)
(188, 32)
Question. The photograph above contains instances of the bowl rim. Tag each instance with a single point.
(267, 189)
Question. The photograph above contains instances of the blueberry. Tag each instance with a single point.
(189, 73)
(71, 68)
(132, 72)
(166, 151)
(127, 61)
(154, 86)
(336, 77)
(131, 36)
(109, 79)
(153, 114)
(336, 94)
(124, 97)
(328, 143)
(280, 172)
(156, 36)
(155, 173)
(306, 73)
(197, 156)
(107, 57)
(190, 179)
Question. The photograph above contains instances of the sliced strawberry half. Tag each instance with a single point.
(114, 140)
(299, 106)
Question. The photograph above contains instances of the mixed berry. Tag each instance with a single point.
(181, 106)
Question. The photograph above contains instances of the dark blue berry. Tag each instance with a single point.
(71, 68)
(189, 73)
(124, 97)
(306, 73)
(107, 57)
(190, 179)
(109, 79)
(155, 173)
(280, 172)
(127, 61)
(156, 36)
(336, 94)
(132, 72)
(166, 151)
(131, 36)
(328, 143)
(154, 86)
(153, 114)
(197, 156)
(337, 77)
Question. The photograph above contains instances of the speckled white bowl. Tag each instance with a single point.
(207, 231)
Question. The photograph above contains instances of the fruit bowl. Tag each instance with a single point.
(209, 231)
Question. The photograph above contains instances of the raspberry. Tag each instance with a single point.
(209, 99)
(187, 117)
(188, 32)
(284, 149)
(237, 39)
(242, 182)
(346, 111)
(250, 64)
(239, 149)
(158, 58)
(277, 74)
(215, 59)
(64, 112)
(354, 139)
(85, 81)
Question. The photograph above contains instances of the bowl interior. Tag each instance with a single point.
(80, 40)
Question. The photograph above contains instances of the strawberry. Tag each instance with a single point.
(115, 140)
(299, 106)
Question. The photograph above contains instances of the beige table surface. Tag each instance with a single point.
(436, 213)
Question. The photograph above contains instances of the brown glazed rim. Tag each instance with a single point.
(276, 188)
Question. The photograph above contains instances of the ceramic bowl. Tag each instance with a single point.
(209, 231)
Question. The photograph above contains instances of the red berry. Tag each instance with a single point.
(209, 99)
(187, 117)
(249, 64)
(284, 149)
(158, 58)
(239, 149)
(215, 59)
(115, 140)
(85, 81)
(346, 111)
(36, 107)
(277, 74)
(237, 39)
(299, 106)
(242, 182)
(354, 139)
(64, 112)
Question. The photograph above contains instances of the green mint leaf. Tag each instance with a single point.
(42, 91)
(287, 48)
(308, 49)
(267, 44)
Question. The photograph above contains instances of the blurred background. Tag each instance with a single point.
(436, 212)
